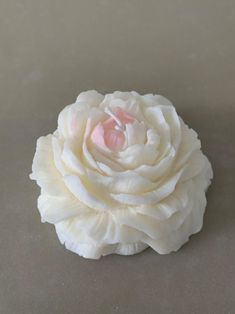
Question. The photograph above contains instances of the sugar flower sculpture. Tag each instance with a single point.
(122, 172)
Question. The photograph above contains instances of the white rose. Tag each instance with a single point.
(122, 172)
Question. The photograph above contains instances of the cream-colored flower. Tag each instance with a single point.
(122, 172)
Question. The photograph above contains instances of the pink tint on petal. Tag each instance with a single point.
(109, 133)
(114, 139)
(97, 136)
(123, 116)
(74, 124)
(109, 123)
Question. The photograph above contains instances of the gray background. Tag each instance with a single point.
(52, 50)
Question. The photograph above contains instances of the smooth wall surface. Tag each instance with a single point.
(52, 50)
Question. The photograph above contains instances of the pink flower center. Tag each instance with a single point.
(110, 133)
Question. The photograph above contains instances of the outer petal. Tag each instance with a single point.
(176, 238)
(128, 182)
(44, 170)
(189, 144)
(175, 202)
(149, 198)
(90, 97)
(55, 209)
(85, 192)
(155, 100)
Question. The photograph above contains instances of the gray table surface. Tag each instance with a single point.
(52, 50)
